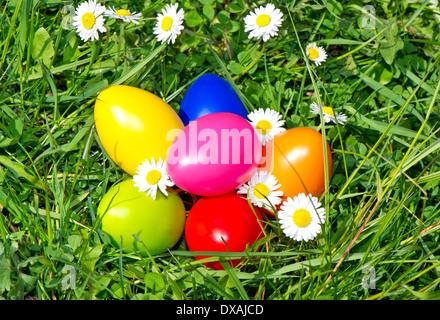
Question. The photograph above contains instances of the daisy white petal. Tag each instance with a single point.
(263, 22)
(123, 14)
(89, 20)
(151, 176)
(316, 54)
(261, 190)
(301, 217)
(328, 113)
(169, 24)
(267, 123)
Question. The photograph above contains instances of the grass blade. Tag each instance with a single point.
(232, 274)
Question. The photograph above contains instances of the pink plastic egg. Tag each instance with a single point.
(214, 154)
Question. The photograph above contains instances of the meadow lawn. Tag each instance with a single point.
(380, 239)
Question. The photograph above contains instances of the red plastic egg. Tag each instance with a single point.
(224, 223)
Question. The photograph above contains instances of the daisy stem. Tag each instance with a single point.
(249, 67)
(318, 128)
(104, 48)
(96, 45)
(121, 35)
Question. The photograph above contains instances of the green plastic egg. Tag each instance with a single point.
(125, 211)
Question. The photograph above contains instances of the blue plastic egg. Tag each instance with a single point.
(210, 94)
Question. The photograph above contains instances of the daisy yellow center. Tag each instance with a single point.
(153, 177)
(329, 111)
(123, 12)
(313, 53)
(261, 191)
(88, 20)
(264, 125)
(263, 20)
(167, 22)
(301, 218)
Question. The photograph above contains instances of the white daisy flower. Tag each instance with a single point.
(89, 20)
(152, 176)
(301, 217)
(263, 22)
(123, 14)
(316, 54)
(169, 24)
(261, 190)
(328, 113)
(267, 123)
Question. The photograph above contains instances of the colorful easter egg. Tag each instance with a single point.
(298, 161)
(225, 223)
(125, 211)
(210, 94)
(134, 125)
(214, 154)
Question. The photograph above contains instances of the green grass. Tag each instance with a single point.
(382, 200)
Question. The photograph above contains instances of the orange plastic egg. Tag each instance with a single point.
(298, 161)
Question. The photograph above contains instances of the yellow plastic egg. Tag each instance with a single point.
(134, 125)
